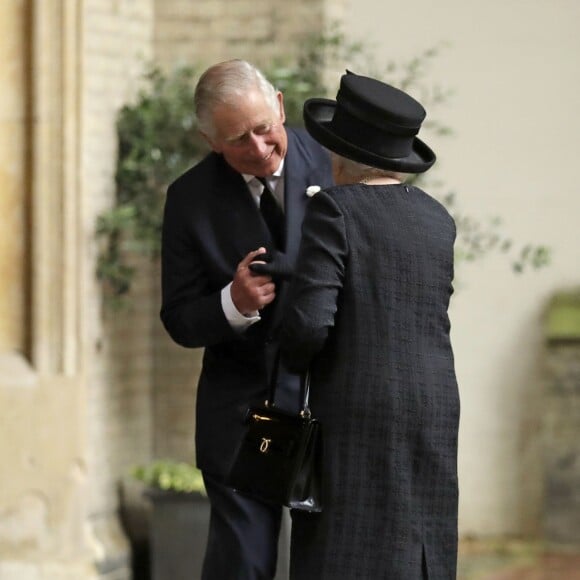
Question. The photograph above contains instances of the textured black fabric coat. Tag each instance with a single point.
(210, 223)
(368, 313)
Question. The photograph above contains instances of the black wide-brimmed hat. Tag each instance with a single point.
(371, 122)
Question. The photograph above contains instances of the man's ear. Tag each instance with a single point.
(214, 146)
(280, 97)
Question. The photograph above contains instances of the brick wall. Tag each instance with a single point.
(206, 31)
(117, 42)
(175, 374)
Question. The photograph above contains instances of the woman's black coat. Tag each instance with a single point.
(368, 313)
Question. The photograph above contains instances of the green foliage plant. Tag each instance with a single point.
(157, 140)
(170, 476)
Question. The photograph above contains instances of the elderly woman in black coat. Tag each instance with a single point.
(368, 316)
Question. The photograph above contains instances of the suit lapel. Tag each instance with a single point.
(297, 173)
(235, 214)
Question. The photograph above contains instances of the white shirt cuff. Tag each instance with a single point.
(236, 319)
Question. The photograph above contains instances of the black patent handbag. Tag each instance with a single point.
(279, 458)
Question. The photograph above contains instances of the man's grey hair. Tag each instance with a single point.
(223, 84)
(358, 171)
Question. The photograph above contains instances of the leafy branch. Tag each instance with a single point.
(157, 140)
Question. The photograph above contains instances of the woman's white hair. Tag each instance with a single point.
(225, 83)
(357, 171)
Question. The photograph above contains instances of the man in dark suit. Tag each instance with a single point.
(216, 223)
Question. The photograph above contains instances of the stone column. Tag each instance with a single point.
(43, 532)
(13, 178)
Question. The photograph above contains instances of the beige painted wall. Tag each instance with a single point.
(514, 68)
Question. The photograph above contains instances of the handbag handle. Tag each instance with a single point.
(304, 388)
(305, 412)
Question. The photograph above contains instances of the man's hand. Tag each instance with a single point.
(276, 265)
(251, 292)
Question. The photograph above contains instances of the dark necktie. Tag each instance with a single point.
(272, 214)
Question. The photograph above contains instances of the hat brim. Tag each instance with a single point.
(318, 114)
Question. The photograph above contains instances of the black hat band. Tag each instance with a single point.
(381, 117)
(371, 138)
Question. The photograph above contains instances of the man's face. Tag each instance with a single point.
(250, 135)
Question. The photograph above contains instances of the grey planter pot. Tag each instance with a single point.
(178, 534)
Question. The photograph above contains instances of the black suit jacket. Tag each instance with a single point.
(210, 223)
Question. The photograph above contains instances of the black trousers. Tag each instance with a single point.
(243, 535)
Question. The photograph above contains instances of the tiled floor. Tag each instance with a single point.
(548, 567)
(517, 561)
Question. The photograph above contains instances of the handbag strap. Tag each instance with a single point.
(304, 388)
(305, 412)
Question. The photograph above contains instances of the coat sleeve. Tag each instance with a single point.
(316, 286)
(191, 308)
